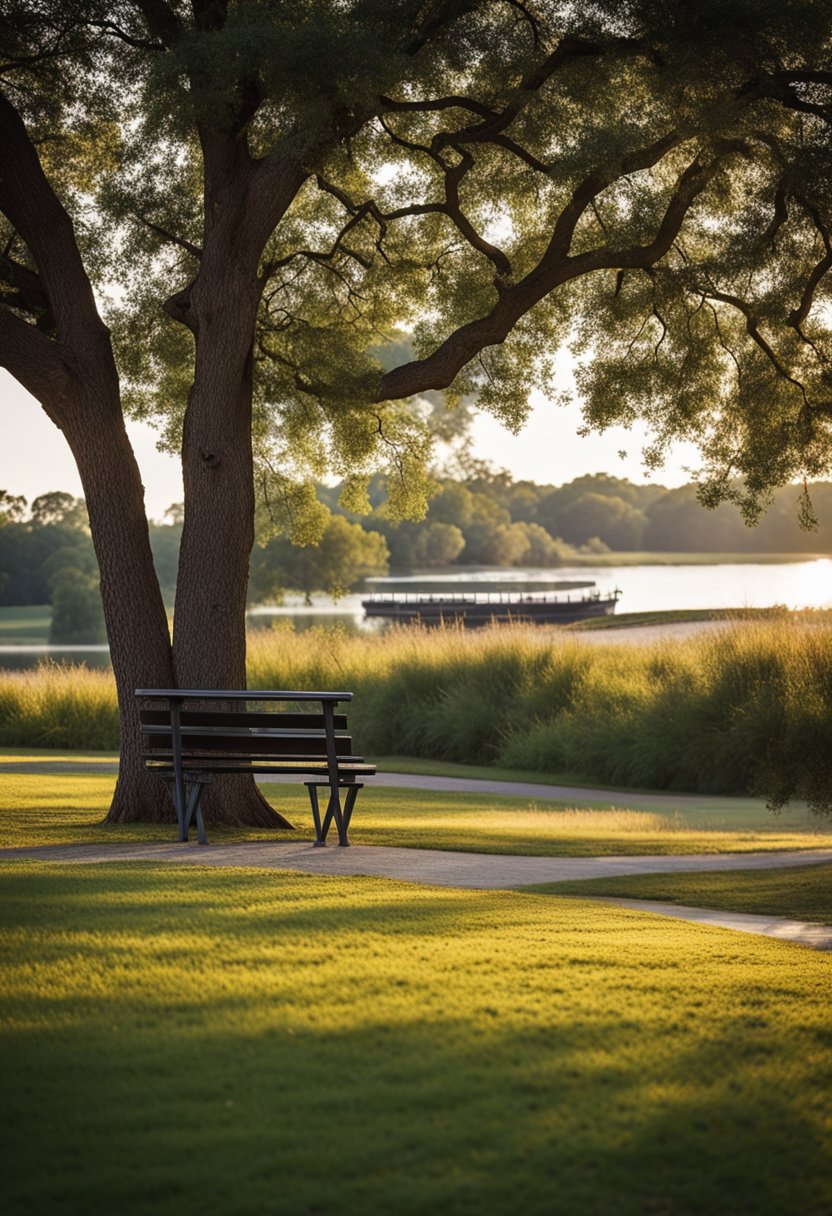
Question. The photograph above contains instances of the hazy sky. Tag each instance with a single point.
(34, 456)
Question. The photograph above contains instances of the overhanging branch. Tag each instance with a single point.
(35, 361)
(555, 268)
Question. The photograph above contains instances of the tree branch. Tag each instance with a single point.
(140, 44)
(587, 192)
(781, 213)
(437, 17)
(753, 331)
(554, 269)
(818, 272)
(35, 361)
(28, 293)
(170, 237)
(32, 207)
(529, 18)
(799, 314)
(454, 102)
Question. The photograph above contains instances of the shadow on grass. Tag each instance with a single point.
(202, 1042)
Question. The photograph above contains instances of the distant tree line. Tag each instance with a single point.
(488, 519)
(491, 520)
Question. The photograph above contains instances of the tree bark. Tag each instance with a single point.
(243, 202)
(137, 627)
(209, 640)
(73, 374)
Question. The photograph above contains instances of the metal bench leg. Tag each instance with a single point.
(194, 808)
(320, 841)
(333, 811)
(178, 806)
(349, 802)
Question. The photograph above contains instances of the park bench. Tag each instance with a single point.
(191, 735)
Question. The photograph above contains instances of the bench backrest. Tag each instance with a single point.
(251, 734)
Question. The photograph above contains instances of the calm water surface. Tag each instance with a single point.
(803, 584)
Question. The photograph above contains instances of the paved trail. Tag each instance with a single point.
(474, 871)
(634, 799)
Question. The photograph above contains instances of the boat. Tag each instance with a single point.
(472, 609)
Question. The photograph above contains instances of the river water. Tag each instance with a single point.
(801, 584)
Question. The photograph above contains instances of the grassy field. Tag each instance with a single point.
(804, 893)
(68, 808)
(748, 708)
(191, 1041)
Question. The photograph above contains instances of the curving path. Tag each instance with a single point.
(474, 871)
(635, 799)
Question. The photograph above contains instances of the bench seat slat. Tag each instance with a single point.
(240, 694)
(321, 770)
(244, 732)
(192, 758)
(272, 721)
(264, 745)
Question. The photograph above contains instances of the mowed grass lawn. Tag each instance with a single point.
(799, 893)
(179, 1040)
(66, 808)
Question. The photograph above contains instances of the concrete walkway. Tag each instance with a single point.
(472, 871)
(634, 799)
(798, 932)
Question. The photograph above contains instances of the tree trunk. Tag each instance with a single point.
(73, 374)
(137, 627)
(209, 636)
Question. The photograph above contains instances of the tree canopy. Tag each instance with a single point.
(649, 181)
(269, 199)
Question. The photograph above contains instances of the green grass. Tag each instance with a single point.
(421, 766)
(192, 1041)
(57, 808)
(663, 799)
(25, 625)
(804, 893)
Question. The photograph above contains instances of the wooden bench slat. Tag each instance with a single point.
(218, 766)
(274, 721)
(196, 758)
(239, 694)
(242, 732)
(263, 745)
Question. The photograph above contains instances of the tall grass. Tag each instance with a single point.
(728, 712)
(58, 705)
(746, 709)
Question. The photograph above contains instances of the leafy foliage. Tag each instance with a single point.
(492, 179)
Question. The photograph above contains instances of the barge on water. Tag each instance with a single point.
(472, 609)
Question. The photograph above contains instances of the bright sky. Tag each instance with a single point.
(34, 456)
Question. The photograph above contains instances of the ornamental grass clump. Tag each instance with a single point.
(60, 706)
(741, 710)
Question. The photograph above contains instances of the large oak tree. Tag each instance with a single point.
(265, 195)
